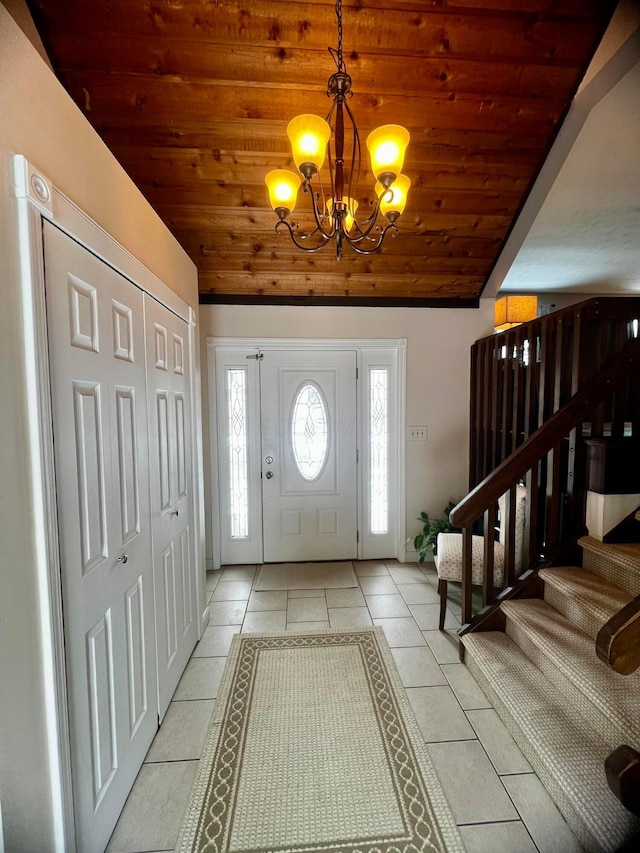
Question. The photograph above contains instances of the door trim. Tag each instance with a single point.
(328, 344)
(37, 197)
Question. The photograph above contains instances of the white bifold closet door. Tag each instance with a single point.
(122, 427)
(171, 494)
(96, 343)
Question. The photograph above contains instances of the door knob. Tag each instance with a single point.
(122, 559)
(269, 475)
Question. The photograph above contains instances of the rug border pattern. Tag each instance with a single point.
(417, 787)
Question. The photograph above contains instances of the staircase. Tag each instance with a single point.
(565, 708)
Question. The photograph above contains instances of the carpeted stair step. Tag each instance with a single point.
(609, 702)
(584, 598)
(617, 563)
(567, 755)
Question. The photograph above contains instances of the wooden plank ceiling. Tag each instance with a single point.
(194, 96)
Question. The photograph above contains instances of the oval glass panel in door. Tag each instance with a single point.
(309, 431)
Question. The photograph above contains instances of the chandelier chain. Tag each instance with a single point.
(339, 14)
(337, 53)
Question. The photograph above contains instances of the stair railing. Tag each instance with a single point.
(618, 641)
(540, 450)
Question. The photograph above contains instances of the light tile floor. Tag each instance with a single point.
(497, 800)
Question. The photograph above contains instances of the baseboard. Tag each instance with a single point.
(411, 556)
(206, 615)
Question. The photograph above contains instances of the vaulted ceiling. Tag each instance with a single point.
(194, 96)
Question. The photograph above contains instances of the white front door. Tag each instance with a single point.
(172, 507)
(96, 346)
(308, 432)
(288, 417)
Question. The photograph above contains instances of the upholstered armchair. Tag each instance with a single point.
(448, 558)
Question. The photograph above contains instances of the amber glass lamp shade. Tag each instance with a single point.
(387, 145)
(393, 199)
(513, 310)
(309, 136)
(352, 207)
(283, 190)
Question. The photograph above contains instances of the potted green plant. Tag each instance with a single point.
(427, 540)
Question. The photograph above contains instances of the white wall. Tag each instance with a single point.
(438, 343)
(39, 120)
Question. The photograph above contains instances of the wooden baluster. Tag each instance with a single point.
(467, 547)
(620, 398)
(554, 457)
(542, 388)
(530, 414)
(599, 356)
(517, 393)
(575, 483)
(486, 407)
(489, 538)
(474, 425)
(531, 523)
(542, 376)
(553, 504)
(510, 531)
(507, 398)
(495, 401)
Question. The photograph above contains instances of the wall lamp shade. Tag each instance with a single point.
(387, 145)
(309, 136)
(283, 188)
(393, 199)
(512, 310)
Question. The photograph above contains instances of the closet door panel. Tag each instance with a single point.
(96, 347)
(171, 494)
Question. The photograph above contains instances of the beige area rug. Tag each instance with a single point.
(305, 576)
(313, 746)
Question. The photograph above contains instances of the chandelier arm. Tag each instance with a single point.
(317, 215)
(299, 245)
(370, 222)
(356, 248)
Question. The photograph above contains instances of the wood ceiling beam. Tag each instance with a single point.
(325, 261)
(247, 245)
(245, 65)
(102, 96)
(259, 222)
(501, 33)
(169, 167)
(255, 136)
(423, 201)
(292, 283)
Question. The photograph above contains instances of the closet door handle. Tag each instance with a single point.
(122, 559)
(176, 512)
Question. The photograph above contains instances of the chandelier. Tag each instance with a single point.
(334, 211)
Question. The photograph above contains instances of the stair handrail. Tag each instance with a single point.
(531, 451)
(618, 641)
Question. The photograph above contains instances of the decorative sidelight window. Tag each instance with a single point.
(238, 453)
(309, 431)
(379, 449)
